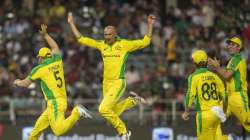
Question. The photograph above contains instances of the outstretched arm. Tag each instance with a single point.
(82, 40)
(22, 83)
(53, 45)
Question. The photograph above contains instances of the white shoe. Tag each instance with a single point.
(84, 112)
(231, 137)
(137, 98)
(126, 136)
(218, 111)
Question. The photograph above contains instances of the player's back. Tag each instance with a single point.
(209, 89)
(51, 76)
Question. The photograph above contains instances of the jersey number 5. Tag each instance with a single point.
(209, 91)
(58, 79)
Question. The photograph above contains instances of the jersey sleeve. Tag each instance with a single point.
(132, 45)
(36, 73)
(90, 42)
(191, 92)
(233, 64)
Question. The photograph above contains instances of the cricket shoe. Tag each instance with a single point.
(126, 136)
(137, 98)
(84, 112)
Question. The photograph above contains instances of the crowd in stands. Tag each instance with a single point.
(158, 72)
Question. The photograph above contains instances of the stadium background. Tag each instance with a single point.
(159, 73)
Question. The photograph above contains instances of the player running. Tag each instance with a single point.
(114, 52)
(51, 76)
(207, 89)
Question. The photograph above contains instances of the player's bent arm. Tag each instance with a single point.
(23, 83)
(224, 73)
(52, 43)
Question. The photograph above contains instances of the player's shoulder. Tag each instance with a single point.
(36, 69)
(215, 75)
(200, 72)
(55, 57)
(192, 75)
(237, 58)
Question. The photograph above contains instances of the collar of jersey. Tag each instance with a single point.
(201, 70)
(117, 38)
(48, 60)
(237, 54)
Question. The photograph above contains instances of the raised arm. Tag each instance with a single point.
(22, 83)
(81, 39)
(75, 31)
(132, 45)
(53, 45)
(151, 21)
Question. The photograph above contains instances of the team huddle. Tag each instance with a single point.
(214, 101)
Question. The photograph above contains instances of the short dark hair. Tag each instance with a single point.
(202, 64)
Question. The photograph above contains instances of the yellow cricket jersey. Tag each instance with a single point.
(206, 88)
(51, 76)
(238, 82)
(114, 56)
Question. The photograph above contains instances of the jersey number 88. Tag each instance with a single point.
(209, 91)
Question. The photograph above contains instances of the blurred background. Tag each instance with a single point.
(158, 73)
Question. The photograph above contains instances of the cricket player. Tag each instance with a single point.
(51, 76)
(115, 52)
(207, 89)
(236, 81)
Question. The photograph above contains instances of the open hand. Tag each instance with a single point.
(214, 63)
(43, 29)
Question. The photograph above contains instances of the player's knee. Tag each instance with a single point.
(35, 134)
(58, 131)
